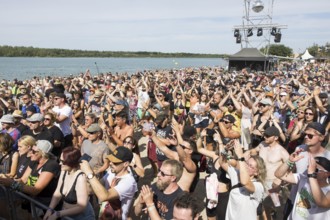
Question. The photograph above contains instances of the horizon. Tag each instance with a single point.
(146, 26)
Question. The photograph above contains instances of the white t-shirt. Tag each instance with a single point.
(304, 207)
(243, 204)
(126, 189)
(142, 98)
(64, 125)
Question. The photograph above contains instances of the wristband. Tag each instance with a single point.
(312, 175)
(290, 164)
(241, 159)
(151, 207)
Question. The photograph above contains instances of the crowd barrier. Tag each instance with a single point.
(11, 196)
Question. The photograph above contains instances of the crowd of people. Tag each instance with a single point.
(262, 139)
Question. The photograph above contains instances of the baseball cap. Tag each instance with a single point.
(36, 117)
(317, 126)
(44, 146)
(7, 119)
(272, 131)
(324, 162)
(230, 118)
(266, 101)
(121, 154)
(93, 128)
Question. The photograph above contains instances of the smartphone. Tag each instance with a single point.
(85, 157)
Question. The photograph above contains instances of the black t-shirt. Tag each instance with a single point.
(165, 201)
(164, 133)
(23, 163)
(58, 136)
(50, 166)
(43, 135)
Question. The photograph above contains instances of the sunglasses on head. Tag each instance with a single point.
(164, 174)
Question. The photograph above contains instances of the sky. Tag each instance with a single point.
(193, 26)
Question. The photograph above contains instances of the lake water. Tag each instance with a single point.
(25, 68)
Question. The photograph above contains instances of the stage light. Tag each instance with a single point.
(250, 32)
(236, 32)
(257, 6)
(259, 33)
(238, 39)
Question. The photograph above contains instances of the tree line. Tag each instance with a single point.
(15, 51)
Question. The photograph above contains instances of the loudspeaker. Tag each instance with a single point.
(278, 37)
(259, 33)
(238, 39)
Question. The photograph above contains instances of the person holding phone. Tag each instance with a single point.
(72, 189)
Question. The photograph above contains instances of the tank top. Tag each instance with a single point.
(71, 196)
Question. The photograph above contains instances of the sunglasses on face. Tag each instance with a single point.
(226, 122)
(184, 147)
(92, 132)
(310, 136)
(267, 135)
(34, 151)
(164, 174)
(309, 113)
(128, 142)
(262, 105)
(47, 119)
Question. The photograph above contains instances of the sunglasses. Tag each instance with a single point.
(184, 147)
(92, 132)
(47, 119)
(262, 105)
(164, 174)
(267, 135)
(310, 136)
(128, 142)
(308, 113)
(34, 151)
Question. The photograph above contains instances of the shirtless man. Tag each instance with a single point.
(274, 156)
(183, 153)
(122, 129)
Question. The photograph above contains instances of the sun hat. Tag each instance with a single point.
(35, 117)
(121, 154)
(266, 101)
(9, 119)
(18, 114)
(93, 128)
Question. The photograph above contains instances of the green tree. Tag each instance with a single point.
(313, 49)
(278, 50)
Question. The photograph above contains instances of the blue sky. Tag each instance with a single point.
(153, 25)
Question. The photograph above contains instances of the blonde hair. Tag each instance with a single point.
(27, 140)
(262, 171)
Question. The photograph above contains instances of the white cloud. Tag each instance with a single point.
(166, 26)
